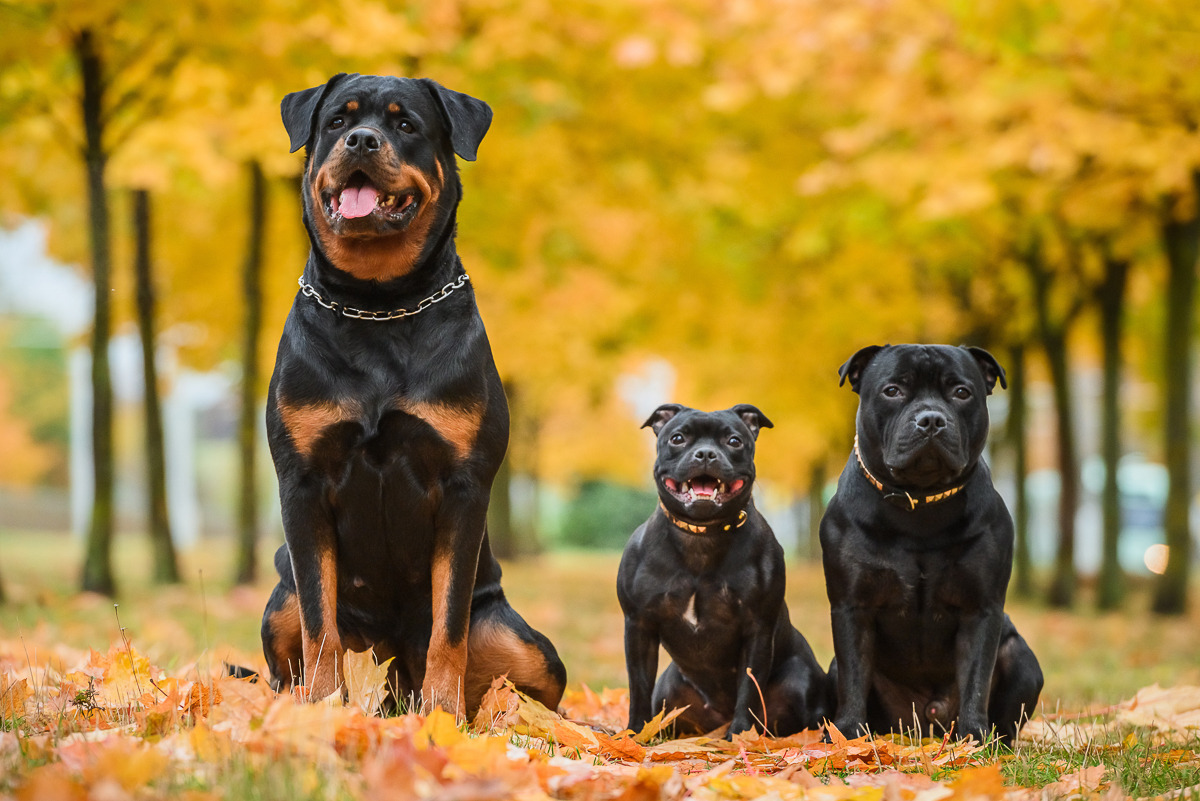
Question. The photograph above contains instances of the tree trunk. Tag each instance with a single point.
(247, 558)
(1111, 591)
(1181, 242)
(1017, 405)
(816, 508)
(166, 566)
(97, 563)
(1053, 336)
(500, 525)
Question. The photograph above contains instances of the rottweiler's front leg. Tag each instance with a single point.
(312, 543)
(460, 527)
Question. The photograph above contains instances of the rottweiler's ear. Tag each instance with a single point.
(662, 415)
(992, 371)
(300, 109)
(466, 118)
(752, 417)
(854, 367)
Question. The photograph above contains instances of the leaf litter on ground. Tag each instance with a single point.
(112, 725)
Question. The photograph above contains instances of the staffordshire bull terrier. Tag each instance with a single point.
(704, 577)
(917, 547)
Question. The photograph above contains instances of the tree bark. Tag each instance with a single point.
(501, 531)
(166, 565)
(247, 557)
(1111, 590)
(816, 508)
(1181, 241)
(97, 564)
(1053, 336)
(1018, 406)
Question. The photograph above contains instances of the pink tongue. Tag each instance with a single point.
(358, 202)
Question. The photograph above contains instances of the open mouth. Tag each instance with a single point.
(360, 198)
(703, 488)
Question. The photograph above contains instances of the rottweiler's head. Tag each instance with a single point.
(380, 180)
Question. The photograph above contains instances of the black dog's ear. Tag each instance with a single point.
(299, 109)
(992, 371)
(752, 417)
(662, 415)
(466, 118)
(854, 367)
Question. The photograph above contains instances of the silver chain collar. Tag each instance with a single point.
(395, 314)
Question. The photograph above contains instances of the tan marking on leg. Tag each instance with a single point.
(445, 662)
(496, 650)
(286, 642)
(305, 424)
(323, 649)
(458, 425)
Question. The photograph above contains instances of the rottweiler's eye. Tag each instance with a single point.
(735, 442)
(676, 439)
(336, 122)
(407, 126)
(962, 393)
(891, 391)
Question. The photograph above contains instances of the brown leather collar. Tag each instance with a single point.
(713, 529)
(898, 497)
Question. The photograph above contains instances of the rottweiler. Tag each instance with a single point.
(386, 417)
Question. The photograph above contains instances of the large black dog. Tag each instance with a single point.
(704, 576)
(917, 548)
(386, 417)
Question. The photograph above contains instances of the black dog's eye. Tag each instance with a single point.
(407, 126)
(676, 439)
(336, 122)
(735, 442)
(962, 393)
(891, 391)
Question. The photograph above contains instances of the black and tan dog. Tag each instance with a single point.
(918, 547)
(704, 577)
(386, 417)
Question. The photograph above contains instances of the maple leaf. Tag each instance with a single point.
(12, 698)
(656, 724)
(366, 680)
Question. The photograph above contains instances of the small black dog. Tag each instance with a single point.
(386, 417)
(918, 550)
(704, 576)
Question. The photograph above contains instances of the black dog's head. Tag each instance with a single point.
(705, 466)
(380, 177)
(922, 412)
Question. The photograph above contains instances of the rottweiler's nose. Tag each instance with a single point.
(363, 140)
(931, 422)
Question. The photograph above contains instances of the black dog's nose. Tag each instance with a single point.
(931, 422)
(704, 455)
(362, 140)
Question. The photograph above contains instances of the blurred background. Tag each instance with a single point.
(700, 201)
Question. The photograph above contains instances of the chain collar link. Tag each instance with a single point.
(381, 316)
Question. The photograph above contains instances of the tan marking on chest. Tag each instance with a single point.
(458, 425)
(306, 423)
